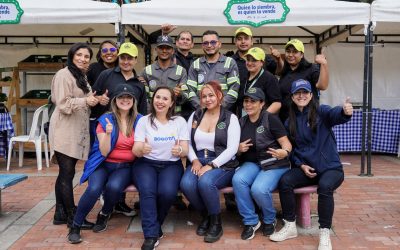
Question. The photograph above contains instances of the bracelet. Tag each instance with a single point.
(180, 150)
(288, 152)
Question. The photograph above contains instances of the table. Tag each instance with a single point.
(6, 132)
(385, 132)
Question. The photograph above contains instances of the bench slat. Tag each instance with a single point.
(8, 180)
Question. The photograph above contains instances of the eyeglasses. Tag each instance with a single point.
(105, 50)
(212, 43)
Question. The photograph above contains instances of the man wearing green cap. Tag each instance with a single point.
(243, 42)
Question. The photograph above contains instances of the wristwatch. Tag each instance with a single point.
(212, 164)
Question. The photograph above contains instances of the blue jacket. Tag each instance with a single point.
(95, 156)
(317, 150)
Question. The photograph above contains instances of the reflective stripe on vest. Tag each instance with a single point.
(227, 62)
(179, 70)
(149, 70)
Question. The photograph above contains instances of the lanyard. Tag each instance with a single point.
(254, 82)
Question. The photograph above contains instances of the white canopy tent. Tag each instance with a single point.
(45, 24)
(314, 15)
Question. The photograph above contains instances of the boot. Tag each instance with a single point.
(60, 217)
(214, 231)
(86, 225)
(204, 224)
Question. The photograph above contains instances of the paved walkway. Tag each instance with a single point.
(367, 216)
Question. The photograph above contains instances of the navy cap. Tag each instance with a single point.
(165, 40)
(301, 84)
(255, 94)
(123, 89)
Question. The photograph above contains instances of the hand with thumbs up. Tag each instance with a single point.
(91, 100)
(104, 99)
(321, 58)
(347, 107)
(275, 53)
(109, 127)
(176, 149)
(146, 147)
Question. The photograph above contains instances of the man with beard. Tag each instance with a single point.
(213, 66)
(164, 72)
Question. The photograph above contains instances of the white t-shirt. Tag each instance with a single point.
(162, 138)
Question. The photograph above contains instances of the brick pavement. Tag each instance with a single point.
(367, 216)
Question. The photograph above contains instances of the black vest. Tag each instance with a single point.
(265, 140)
(221, 134)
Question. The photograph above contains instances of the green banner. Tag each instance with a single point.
(256, 12)
(10, 12)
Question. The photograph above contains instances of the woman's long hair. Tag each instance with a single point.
(130, 119)
(98, 55)
(303, 64)
(312, 118)
(171, 110)
(80, 77)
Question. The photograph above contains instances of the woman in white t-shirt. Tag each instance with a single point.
(215, 135)
(161, 139)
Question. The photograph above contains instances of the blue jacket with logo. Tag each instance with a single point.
(317, 150)
(95, 156)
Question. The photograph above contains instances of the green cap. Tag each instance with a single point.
(256, 53)
(128, 48)
(244, 30)
(297, 44)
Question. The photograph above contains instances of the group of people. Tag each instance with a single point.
(230, 117)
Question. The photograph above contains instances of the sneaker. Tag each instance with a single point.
(249, 231)
(150, 243)
(74, 235)
(268, 229)
(101, 223)
(124, 209)
(288, 231)
(324, 239)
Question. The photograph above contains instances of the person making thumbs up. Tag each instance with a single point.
(315, 159)
(109, 165)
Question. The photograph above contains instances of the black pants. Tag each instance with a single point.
(327, 183)
(63, 187)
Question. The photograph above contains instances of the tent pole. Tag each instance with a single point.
(364, 107)
(369, 126)
(121, 34)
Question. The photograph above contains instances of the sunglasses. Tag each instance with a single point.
(105, 50)
(207, 43)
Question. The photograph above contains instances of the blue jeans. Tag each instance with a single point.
(327, 183)
(250, 181)
(203, 192)
(92, 130)
(157, 183)
(111, 177)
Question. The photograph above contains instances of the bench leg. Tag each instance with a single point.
(0, 202)
(303, 210)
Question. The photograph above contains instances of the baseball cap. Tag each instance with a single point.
(297, 44)
(128, 48)
(244, 30)
(123, 89)
(165, 40)
(301, 84)
(255, 94)
(256, 53)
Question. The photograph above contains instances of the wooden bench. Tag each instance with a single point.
(303, 199)
(8, 180)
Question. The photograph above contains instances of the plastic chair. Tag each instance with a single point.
(36, 135)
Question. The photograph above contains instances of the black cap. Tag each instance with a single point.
(165, 40)
(123, 89)
(255, 94)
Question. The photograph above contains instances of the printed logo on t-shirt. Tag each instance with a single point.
(164, 138)
(260, 129)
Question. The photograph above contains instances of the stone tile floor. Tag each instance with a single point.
(367, 215)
